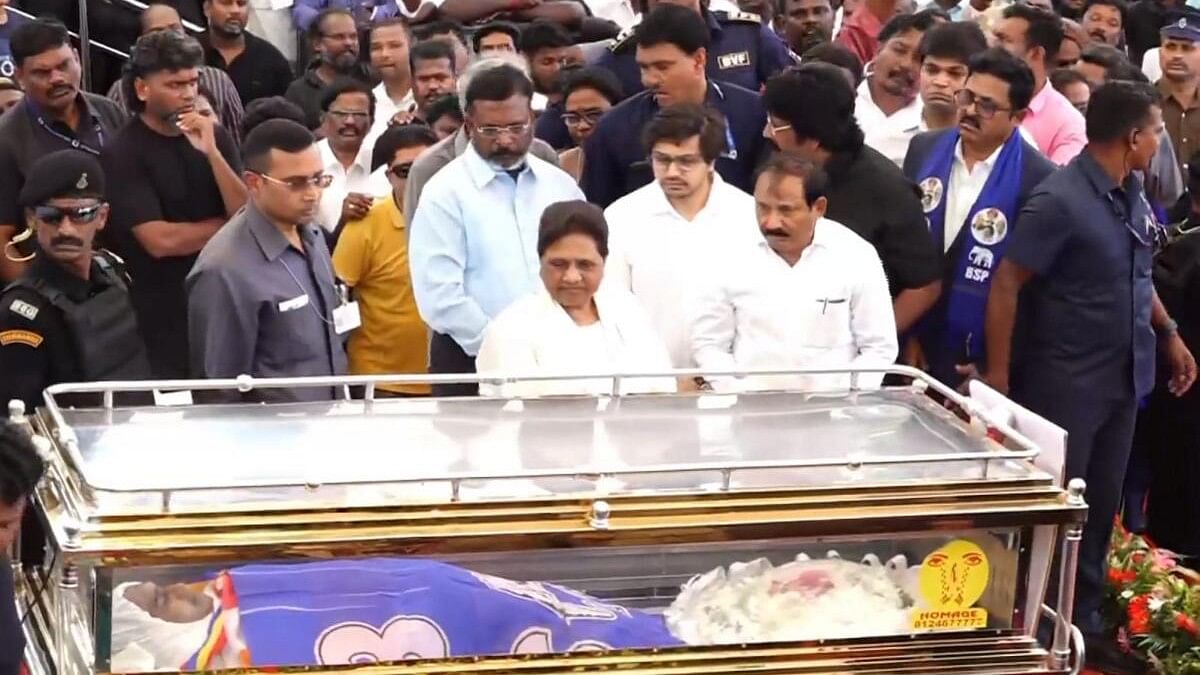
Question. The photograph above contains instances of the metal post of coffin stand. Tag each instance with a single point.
(786, 471)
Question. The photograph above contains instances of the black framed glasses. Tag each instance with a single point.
(591, 117)
(401, 170)
(53, 215)
(497, 131)
(298, 183)
(986, 107)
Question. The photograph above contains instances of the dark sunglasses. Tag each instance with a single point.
(401, 170)
(53, 215)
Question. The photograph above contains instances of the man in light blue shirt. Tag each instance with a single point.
(473, 241)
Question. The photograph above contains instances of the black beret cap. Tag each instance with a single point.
(65, 173)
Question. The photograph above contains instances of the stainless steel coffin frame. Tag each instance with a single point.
(1066, 638)
(245, 383)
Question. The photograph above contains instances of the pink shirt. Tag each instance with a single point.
(860, 34)
(1055, 125)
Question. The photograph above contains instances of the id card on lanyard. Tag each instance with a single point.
(74, 142)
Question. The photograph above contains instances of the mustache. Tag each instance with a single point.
(774, 232)
(66, 241)
(970, 121)
(61, 89)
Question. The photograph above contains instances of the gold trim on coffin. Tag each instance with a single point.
(991, 654)
(557, 523)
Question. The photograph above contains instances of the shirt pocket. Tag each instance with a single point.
(290, 337)
(823, 318)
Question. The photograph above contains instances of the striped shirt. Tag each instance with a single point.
(227, 103)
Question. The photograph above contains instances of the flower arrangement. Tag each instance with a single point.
(1152, 604)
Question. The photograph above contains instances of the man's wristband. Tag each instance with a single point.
(1169, 329)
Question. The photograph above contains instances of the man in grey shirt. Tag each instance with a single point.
(262, 295)
(432, 160)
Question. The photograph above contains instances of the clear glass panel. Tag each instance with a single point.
(343, 455)
(380, 609)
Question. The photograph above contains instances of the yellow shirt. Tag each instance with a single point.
(372, 257)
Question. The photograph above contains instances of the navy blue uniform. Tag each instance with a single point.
(617, 164)
(1083, 347)
(744, 51)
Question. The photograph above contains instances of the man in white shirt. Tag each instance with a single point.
(681, 212)
(809, 294)
(389, 41)
(346, 108)
(888, 109)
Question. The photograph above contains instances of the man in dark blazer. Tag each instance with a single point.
(974, 179)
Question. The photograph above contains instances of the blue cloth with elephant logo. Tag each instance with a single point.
(390, 609)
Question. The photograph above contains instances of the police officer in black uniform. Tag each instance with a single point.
(744, 51)
(69, 318)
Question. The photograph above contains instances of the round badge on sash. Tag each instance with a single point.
(989, 226)
(931, 193)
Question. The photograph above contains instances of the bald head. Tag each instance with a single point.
(160, 17)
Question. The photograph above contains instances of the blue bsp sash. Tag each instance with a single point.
(985, 238)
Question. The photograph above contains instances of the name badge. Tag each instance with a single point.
(293, 304)
(733, 60)
(346, 318)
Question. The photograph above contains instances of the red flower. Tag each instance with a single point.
(1118, 577)
(1186, 624)
(1139, 615)
(1137, 557)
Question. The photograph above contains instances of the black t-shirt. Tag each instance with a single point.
(155, 177)
(868, 194)
(258, 72)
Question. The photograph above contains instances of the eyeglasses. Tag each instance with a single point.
(401, 170)
(986, 107)
(497, 131)
(574, 119)
(343, 115)
(772, 129)
(53, 215)
(684, 162)
(300, 183)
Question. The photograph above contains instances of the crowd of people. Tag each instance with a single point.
(983, 190)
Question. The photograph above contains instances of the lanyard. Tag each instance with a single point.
(73, 142)
(1121, 209)
(731, 151)
(730, 144)
(317, 288)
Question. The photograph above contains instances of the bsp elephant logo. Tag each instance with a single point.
(981, 257)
